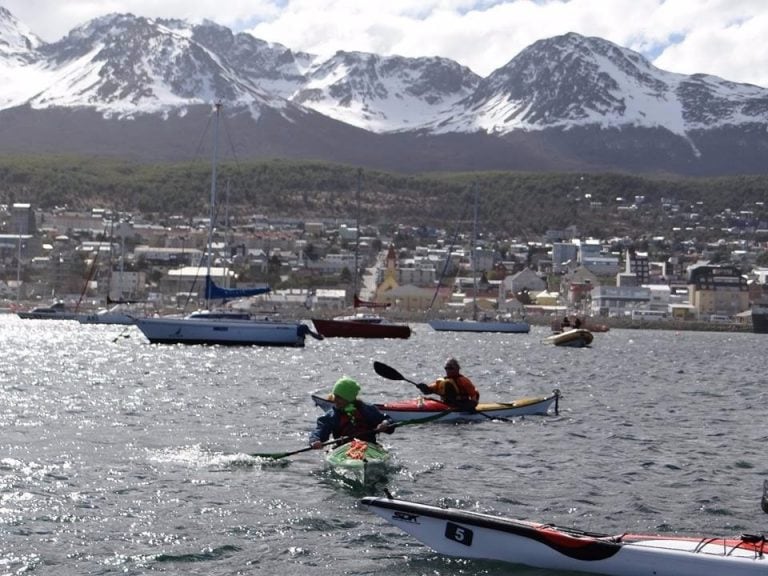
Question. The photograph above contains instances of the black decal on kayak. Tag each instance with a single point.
(405, 517)
(458, 533)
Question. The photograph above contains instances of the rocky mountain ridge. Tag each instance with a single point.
(564, 103)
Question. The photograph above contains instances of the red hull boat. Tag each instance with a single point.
(360, 326)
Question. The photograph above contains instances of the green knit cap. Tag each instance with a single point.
(346, 388)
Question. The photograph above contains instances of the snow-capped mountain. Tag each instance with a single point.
(124, 65)
(385, 94)
(571, 81)
(18, 60)
(568, 102)
(15, 38)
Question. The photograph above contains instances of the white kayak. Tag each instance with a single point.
(418, 408)
(465, 534)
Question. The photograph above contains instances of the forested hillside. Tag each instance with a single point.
(514, 203)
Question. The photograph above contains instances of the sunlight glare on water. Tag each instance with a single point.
(118, 456)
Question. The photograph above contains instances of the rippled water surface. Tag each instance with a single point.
(117, 456)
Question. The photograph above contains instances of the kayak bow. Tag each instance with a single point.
(358, 462)
(473, 535)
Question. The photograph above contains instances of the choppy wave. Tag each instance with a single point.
(117, 456)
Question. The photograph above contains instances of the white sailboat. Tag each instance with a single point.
(477, 323)
(222, 327)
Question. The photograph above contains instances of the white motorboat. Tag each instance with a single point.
(118, 314)
(56, 311)
(574, 338)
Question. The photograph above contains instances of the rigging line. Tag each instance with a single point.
(359, 185)
(209, 255)
(238, 167)
(198, 154)
(228, 135)
(214, 210)
(454, 239)
(92, 270)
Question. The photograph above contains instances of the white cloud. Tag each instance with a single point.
(720, 37)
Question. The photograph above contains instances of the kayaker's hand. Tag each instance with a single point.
(316, 444)
(385, 427)
(424, 388)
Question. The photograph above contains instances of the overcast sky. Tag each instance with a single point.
(721, 37)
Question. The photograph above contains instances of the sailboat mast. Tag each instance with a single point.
(227, 237)
(474, 257)
(123, 223)
(357, 233)
(18, 269)
(213, 204)
(112, 261)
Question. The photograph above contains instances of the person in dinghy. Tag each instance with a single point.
(349, 417)
(454, 389)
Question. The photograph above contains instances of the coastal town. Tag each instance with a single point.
(88, 260)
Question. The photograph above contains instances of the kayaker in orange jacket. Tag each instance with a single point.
(455, 389)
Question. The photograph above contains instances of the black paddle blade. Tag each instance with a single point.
(386, 371)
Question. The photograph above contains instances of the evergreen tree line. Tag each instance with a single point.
(515, 204)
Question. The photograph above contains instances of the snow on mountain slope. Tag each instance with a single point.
(384, 94)
(15, 38)
(21, 75)
(572, 80)
(272, 67)
(123, 66)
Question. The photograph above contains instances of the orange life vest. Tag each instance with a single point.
(457, 390)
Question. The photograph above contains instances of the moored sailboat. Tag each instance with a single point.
(222, 327)
(360, 324)
(485, 323)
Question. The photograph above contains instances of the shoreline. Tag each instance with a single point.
(546, 320)
(301, 313)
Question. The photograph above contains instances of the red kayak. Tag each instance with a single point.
(422, 407)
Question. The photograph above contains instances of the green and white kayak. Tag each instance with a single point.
(359, 463)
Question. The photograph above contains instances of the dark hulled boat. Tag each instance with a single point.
(360, 325)
(760, 318)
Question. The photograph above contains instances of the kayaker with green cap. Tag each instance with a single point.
(349, 417)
